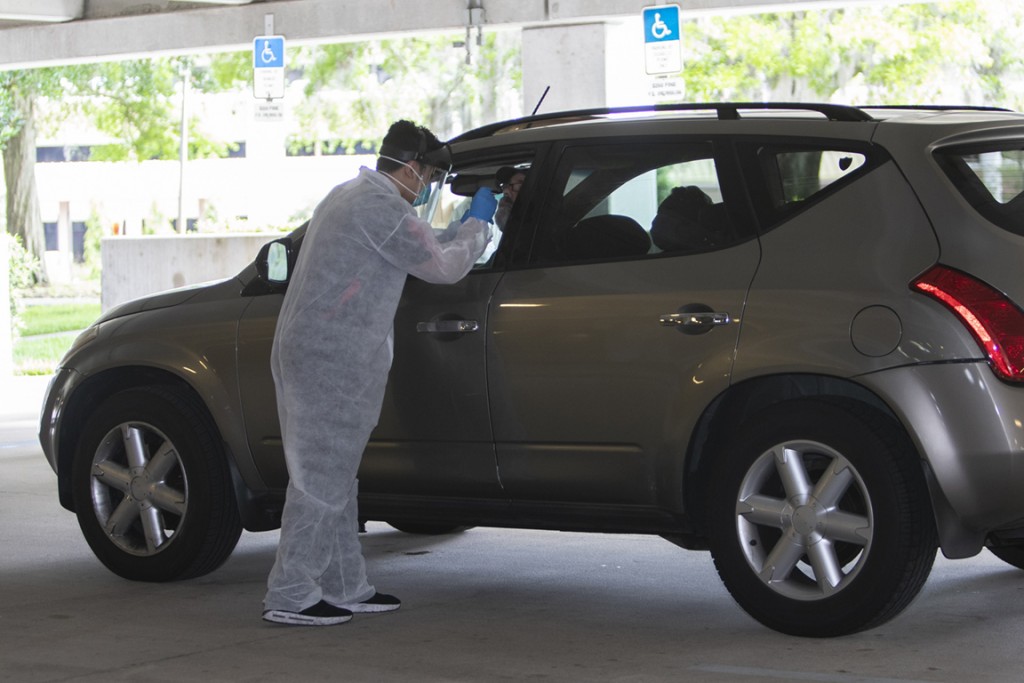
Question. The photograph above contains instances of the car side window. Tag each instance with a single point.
(457, 193)
(628, 201)
(789, 177)
(991, 177)
(798, 175)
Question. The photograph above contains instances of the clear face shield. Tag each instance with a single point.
(441, 161)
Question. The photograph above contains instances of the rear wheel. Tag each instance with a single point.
(820, 521)
(152, 488)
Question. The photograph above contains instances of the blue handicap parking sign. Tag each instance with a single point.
(268, 82)
(661, 23)
(268, 52)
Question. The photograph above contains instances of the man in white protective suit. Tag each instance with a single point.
(331, 357)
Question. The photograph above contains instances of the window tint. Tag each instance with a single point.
(795, 176)
(789, 177)
(805, 173)
(635, 200)
(992, 179)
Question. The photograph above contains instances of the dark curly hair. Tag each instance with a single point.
(406, 142)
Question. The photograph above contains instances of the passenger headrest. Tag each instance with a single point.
(607, 236)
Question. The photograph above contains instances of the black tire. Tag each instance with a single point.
(428, 529)
(168, 514)
(820, 519)
(1010, 554)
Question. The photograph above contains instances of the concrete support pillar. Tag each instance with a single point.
(569, 59)
(58, 263)
(588, 66)
(64, 234)
(204, 205)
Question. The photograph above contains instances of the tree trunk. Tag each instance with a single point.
(23, 217)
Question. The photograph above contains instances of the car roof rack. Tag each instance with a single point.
(724, 111)
(934, 107)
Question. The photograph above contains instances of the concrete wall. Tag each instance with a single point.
(137, 266)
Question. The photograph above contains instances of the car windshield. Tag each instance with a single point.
(991, 178)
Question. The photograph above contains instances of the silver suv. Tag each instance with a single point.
(787, 333)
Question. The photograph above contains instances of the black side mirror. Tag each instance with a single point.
(275, 262)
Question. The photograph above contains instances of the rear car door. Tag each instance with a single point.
(608, 344)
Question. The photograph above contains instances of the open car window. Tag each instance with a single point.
(457, 193)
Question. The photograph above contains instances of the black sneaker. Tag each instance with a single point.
(380, 602)
(321, 614)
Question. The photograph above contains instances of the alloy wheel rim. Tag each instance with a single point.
(804, 520)
(138, 488)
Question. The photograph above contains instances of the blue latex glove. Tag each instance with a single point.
(483, 205)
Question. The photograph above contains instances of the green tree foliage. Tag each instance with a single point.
(136, 102)
(21, 266)
(17, 87)
(354, 91)
(19, 92)
(223, 71)
(965, 52)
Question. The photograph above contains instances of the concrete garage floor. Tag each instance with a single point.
(485, 605)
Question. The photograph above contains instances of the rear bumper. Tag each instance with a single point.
(968, 427)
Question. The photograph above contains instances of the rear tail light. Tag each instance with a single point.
(996, 322)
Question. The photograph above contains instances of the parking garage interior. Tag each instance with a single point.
(481, 605)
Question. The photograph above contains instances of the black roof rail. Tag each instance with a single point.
(934, 107)
(724, 110)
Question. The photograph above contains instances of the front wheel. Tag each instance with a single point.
(820, 518)
(152, 488)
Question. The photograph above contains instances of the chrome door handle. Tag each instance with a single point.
(448, 326)
(695, 322)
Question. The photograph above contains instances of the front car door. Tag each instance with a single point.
(433, 445)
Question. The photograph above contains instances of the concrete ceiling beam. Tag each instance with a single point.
(124, 29)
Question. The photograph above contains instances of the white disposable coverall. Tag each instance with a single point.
(331, 356)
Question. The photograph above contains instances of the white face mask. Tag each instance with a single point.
(429, 193)
(423, 194)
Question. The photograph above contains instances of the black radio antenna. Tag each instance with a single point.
(542, 96)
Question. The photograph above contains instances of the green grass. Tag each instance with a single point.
(39, 356)
(60, 323)
(50, 318)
